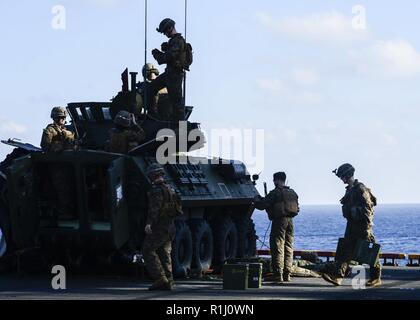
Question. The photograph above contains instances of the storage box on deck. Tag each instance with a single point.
(255, 275)
(235, 276)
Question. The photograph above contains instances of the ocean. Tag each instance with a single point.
(396, 228)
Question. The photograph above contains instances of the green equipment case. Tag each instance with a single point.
(235, 276)
(255, 275)
(366, 252)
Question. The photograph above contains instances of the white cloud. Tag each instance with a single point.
(281, 135)
(330, 27)
(279, 89)
(271, 86)
(12, 127)
(106, 2)
(304, 76)
(394, 58)
(389, 139)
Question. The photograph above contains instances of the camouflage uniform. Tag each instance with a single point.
(122, 140)
(174, 57)
(157, 245)
(57, 138)
(357, 206)
(282, 233)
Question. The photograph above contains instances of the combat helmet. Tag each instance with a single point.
(165, 24)
(149, 68)
(123, 119)
(345, 171)
(154, 170)
(58, 112)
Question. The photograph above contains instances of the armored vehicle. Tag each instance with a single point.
(109, 193)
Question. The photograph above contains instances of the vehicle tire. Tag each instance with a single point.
(182, 251)
(247, 238)
(225, 241)
(4, 220)
(202, 241)
(2, 244)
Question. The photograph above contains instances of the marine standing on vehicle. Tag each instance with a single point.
(357, 207)
(57, 138)
(164, 205)
(282, 206)
(177, 55)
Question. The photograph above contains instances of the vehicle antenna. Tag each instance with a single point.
(185, 34)
(145, 35)
(145, 94)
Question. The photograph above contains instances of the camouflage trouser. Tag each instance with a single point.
(63, 189)
(157, 249)
(350, 240)
(172, 80)
(281, 245)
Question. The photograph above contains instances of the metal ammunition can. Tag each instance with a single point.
(235, 276)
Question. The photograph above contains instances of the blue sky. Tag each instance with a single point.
(323, 92)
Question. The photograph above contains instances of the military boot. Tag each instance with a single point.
(161, 284)
(171, 283)
(375, 277)
(286, 277)
(274, 277)
(332, 279)
(374, 282)
(277, 277)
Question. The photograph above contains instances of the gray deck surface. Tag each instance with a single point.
(398, 283)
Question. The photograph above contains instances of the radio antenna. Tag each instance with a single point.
(185, 34)
(145, 93)
(145, 34)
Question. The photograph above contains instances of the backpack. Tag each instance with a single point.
(188, 56)
(287, 204)
(171, 207)
(290, 200)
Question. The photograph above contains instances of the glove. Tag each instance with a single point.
(148, 229)
(156, 53)
(133, 119)
(164, 46)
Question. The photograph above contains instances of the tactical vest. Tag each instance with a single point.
(122, 141)
(351, 199)
(61, 138)
(171, 206)
(286, 204)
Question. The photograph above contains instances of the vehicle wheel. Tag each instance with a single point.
(247, 238)
(2, 244)
(181, 250)
(225, 241)
(202, 238)
(4, 220)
